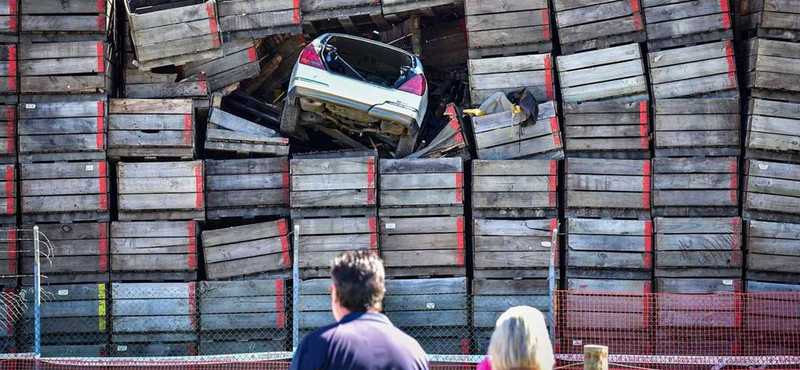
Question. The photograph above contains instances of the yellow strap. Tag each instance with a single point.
(101, 306)
(474, 112)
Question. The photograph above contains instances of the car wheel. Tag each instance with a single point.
(289, 117)
(406, 145)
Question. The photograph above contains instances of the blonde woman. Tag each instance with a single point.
(520, 342)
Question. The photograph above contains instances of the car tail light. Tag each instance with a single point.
(416, 85)
(311, 58)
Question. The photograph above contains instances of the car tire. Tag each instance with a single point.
(289, 117)
(406, 145)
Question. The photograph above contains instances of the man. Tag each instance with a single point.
(362, 337)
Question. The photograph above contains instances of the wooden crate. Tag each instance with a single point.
(609, 249)
(508, 28)
(8, 133)
(450, 141)
(148, 128)
(614, 73)
(72, 315)
(597, 24)
(243, 316)
(9, 22)
(421, 187)
(513, 248)
(240, 19)
(9, 71)
(775, 19)
(433, 311)
(153, 319)
(229, 133)
(333, 186)
(353, 16)
(260, 250)
(323, 239)
(506, 74)
(423, 246)
(615, 188)
(771, 191)
(165, 34)
(699, 247)
(9, 265)
(73, 20)
(770, 312)
(245, 188)
(696, 187)
(607, 129)
(64, 192)
(673, 23)
(505, 136)
(514, 189)
(8, 194)
(160, 191)
(697, 127)
(238, 62)
(149, 85)
(78, 253)
(314, 304)
(771, 252)
(154, 251)
(399, 10)
(491, 297)
(62, 131)
(80, 67)
(771, 69)
(707, 70)
(772, 130)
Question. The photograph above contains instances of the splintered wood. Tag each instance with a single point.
(154, 251)
(506, 74)
(258, 18)
(229, 133)
(148, 128)
(514, 188)
(696, 187)
(323, 239)
(423, 246)
(421, 187)
(238, 62)
(160, 191)
(596, 24)
(613, 73)
(450, 141)
(505, 135)
(616, 188)
(697, 127)
(246, 188)
(504, 28)
(78, 253)
(707, 70)
(771, 191)
(513, 248)
(64, 192)
(615, 129)
(672, 23)
(255, 251)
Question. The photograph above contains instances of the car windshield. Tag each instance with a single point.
(367, 61)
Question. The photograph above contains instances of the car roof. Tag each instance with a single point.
(329, 35)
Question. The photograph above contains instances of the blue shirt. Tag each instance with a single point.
(360, 341)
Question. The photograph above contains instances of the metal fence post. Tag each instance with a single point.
(551, 280)
(37, 298)
(295, 288)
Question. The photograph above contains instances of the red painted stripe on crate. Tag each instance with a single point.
(737, 225)
(637, 15)
(99, 136)
(648, 244)
(251, 54)
(12, 68)
(557, 139)
(101, 65)
(198, 180)
(102, 168)
(459, 187)
(726, 16)
(212, 24)
(370, 180)
(734, 196)
(187, 129)
(731, 64)
(192, 306)
(553, 179)
(203, 85)
(101, 6)
(280, 292)
(285, 178)
(191, 349)
(644, 130)
(192, 253)
(373, 235)
(646, 192)
(546, 24)
(12, 10)
(296, 11)
(645, 137)
(737, 303)
(554, 124)
(101, 22)
(287, 261)
(460, 240)
(548, 77)
(102, 246)
(733, 166)
(103, 197)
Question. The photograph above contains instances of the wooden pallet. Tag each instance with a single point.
(334, 183)
(773, 19)
(8, 133)
(173, 34)
(149, 85)
(238, 62)
(421, 187)
(615, 188)
(609, 249)
(697, 127)
(236, 316)
(506, 74)
(513, 248)
(614, 73)
(508, 28)
(505, 135)
(315, 304)
(82, 67)
(9, 73)
(148, 128)
(707, 70)
(450, 141)
(492, 297)
(9, 264)
(62, 131)
(354, 16)
(78, 253)
(73, 20)
(675, 23)
(153, 319)
(698, 247)
(771, 69)
(772, 130)
(258, 19)
(64, 192)
(696, 187)
(423, 246)
(607, 129)
(160, 191)
(246, 188)
(771, 191)
(153, 251)
(771, 256)
(514, 189)
(254, 249)
(597, 24)
(73, 315)
(229, 133)
(323, 239)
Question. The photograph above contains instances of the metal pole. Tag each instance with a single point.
(295, 288)
(37, 298)
(551, 280)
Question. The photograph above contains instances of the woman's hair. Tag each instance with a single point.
(520, 341)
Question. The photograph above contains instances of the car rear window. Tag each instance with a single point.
(366, 61)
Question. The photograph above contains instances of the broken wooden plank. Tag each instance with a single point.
(238, 62)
